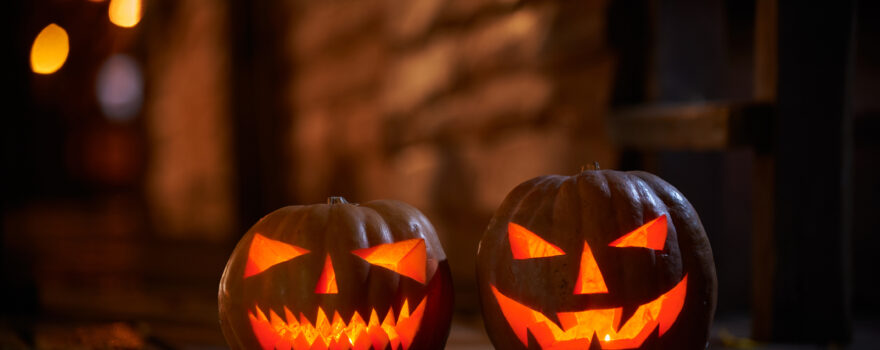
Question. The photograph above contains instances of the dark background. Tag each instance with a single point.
(764, 113)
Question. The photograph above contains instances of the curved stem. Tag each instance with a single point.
(594, 166)
(336, 200)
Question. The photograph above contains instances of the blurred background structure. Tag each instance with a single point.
(143, 139)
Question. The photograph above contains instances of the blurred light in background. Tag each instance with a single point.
(49, 50)
(120, 87)
(125, 13)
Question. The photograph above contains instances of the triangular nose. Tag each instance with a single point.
(327, 282)
(590, 279)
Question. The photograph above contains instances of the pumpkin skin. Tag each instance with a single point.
(582, 224)
(255, 296)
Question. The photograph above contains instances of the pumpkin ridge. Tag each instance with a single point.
(292, 219)
(382, 232)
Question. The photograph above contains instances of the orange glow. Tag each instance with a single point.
(589, 278)
(578, 327)
(651, 235)
(327, 282)
(325, 334)
(125, 13)
(265, 253)
(526, 245)
(407, 257)
(49, 51)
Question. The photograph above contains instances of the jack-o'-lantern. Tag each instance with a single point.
(600, 260)
(338, 276)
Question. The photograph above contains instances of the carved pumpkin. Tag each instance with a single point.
(600, 260)
(338, 276)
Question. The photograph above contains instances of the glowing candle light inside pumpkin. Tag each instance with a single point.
(125, 13)
(50, 49)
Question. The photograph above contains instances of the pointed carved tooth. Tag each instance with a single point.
(337, 319)
(420, 310)
(308, 330)
(264, 332)
(291, 319)
(355, 328)
(338, 325)
(260, 315)
(407, 327)
(389, 319)
(390, 327)
(404, 311)
(276, 321)
(374, 319)
(321, 323)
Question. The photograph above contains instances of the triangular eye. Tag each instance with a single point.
(526, 245)
(407, 258)
(265, 253)
(651, 235)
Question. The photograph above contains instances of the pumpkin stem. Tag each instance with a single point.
(594, 166)
(336, 200)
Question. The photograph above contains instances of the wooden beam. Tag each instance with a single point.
(813, 145)
(763, 250)
(766, 52)
(260, 112)
(692, 127)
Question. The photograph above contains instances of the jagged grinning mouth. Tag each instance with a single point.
(300, 334)
(578, 327)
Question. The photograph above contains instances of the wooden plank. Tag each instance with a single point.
(673, 127)
(693, 127)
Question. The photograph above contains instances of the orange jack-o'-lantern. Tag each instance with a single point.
(338, 276)
(599, 260)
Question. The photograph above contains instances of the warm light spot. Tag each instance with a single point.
(578, 327)
(407, 258)
(651, 235)
(265, 253)
(120, 87)
(327, 282)
(125, 13)
(590, 279)
(527, 245)
(49, 51)
(325, 334)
